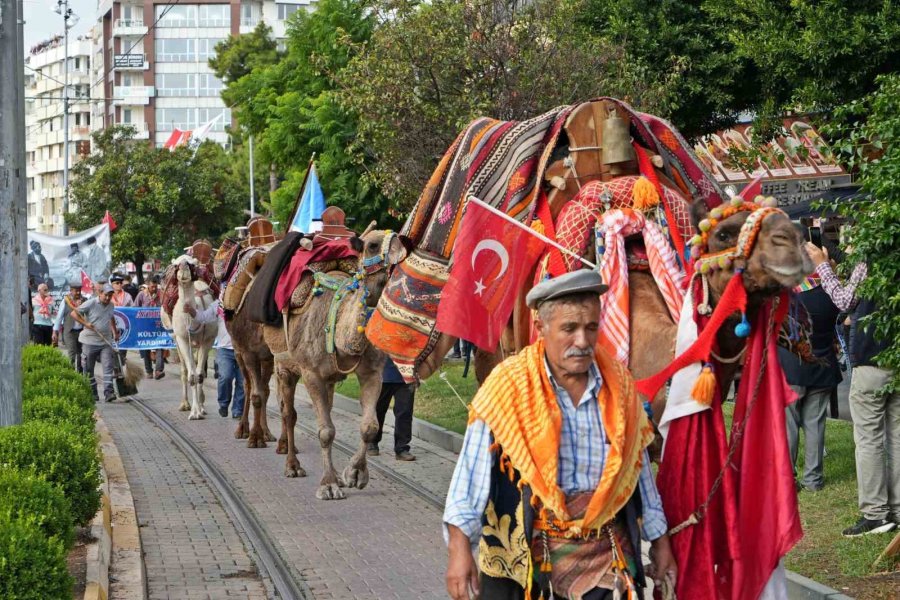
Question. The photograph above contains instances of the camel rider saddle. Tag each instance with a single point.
(260, 232)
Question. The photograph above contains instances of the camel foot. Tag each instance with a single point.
(269, 437)
(356, 478)
(256, 440)
(292, 468)
(282, 447)
(241, 432)
(330, 491)
(203, 412)
(184, 406)
(195, 417)
(192, 380)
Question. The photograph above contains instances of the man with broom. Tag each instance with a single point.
(98, 333)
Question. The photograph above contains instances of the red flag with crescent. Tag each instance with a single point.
(87, 286)
(492, 257)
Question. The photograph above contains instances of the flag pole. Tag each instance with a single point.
(531, 231)
(300, 195)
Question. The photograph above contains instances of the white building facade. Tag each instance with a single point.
(158, 79)
(44, 118)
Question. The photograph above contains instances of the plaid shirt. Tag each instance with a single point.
(582, 454)
(843, 296)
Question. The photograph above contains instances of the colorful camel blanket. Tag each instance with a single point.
(170, 284)
(323, 250)
(503, 164)
(518, 404)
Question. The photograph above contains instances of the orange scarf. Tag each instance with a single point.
(518, 403)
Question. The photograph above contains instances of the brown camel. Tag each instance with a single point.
(778, 262)
(302, 351)
(257, 365)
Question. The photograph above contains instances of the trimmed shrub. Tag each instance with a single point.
(63, 456)
(76, 390)
(53, 409)
(32, 566)
(35, 357)
(25, 495)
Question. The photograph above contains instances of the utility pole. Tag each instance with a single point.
(12, 211)
(252, 194)
(62, 8)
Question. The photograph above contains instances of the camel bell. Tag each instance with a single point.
(616, 141)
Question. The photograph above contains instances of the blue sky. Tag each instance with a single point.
(41, 22)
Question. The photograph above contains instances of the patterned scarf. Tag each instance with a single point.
(46, 303)
(519, 405)
(809, 283)
(612, 229)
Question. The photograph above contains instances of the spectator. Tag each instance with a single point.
(393, 386)
(68, 327)
(151, 297)
(120, 299)
(812, 382)
(42, 309)
(230, 378)
(99, 331)
(875, 414)
(129, 287)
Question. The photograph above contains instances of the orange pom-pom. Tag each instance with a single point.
(705, 387)
(644, 194)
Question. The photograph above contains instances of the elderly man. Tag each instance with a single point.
(68, 327)
(151, 297)
(97, 335)
(553, 478)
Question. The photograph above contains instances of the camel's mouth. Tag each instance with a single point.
(787, 275)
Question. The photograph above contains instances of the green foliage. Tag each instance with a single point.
(25, 496)
(867, 134)
(58, 384)
(161, 200)
(432, 67)
(292, 109)
(65, 457)
(32, 566)
(36, 357)
(59, 411)
(238, 55)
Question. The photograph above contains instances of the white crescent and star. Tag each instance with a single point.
(498, 249)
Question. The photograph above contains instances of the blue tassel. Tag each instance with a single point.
(742, 329)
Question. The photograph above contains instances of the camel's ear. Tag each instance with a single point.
(357, 244)
(396, 251)
(699, 211)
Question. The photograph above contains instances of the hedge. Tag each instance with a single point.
(35, 357)
(45, 383)
(63, 456)
(53, 409)
(24, 495)
(32, 565)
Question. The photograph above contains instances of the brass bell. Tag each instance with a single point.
(616, 141)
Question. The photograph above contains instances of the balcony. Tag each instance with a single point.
(133, 95)
(142, 132)
(129, 27)
(130, 62)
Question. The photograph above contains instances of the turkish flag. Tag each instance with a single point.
(107, 218)
(87, 286)
(492, 257)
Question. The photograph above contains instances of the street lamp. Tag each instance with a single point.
(70, 19)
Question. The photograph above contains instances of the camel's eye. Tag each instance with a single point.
(723, 236)
(373, 247)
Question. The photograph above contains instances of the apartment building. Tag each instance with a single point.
(44, 76)
(158, 79)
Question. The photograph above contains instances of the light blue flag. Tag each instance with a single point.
(312, 204)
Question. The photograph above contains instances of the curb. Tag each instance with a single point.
(799, 587)
(99, 552)
(125, 540)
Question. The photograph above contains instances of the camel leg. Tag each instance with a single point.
(257, 437)
(357, 472)
(243, 428)
(189, 367)
(202, 356)
(262, 386)
(287, 383)
(330, 485)
(185, 375)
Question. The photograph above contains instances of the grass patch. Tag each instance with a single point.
(435, 402)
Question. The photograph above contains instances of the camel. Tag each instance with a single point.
(257, 365)
(301, 351)
(193, 344)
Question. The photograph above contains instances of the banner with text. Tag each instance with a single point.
(140, 328)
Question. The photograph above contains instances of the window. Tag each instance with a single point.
(176, 84)
(173, 50)
(176, 15)
(176, 118)
(210, 85)
(205, 115)
(215, 15)
(206, 48)
(286, 10)
(250, 14)
(126, 115)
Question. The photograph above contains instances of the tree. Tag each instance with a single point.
(292, 109)
(432, 67)
(868, 140)
(238, 55)
(161, 201)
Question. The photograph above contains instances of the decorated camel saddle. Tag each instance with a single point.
(199, 257)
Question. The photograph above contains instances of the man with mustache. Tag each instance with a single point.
(553, 487)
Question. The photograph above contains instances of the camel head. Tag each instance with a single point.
(186, 269)
(758, 238)
(379, 251)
